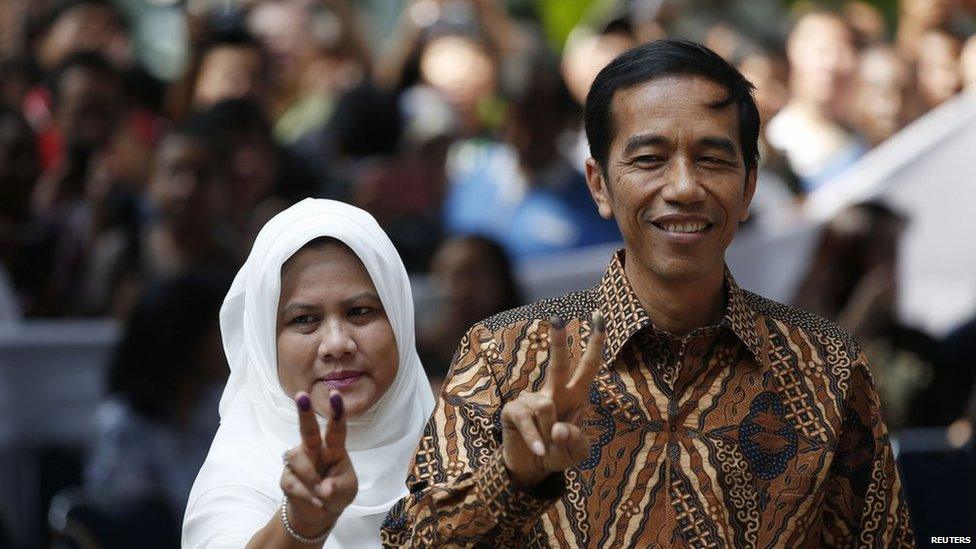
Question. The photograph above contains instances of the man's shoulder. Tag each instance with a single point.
(782, 319)
(574, 305)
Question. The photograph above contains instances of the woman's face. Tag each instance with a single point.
(332, 330)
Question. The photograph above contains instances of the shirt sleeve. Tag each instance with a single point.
(460, 491)
(226, 518)
(865, 505)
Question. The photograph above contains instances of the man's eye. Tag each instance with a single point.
(648, 160)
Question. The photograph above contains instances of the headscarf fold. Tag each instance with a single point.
(257, 413)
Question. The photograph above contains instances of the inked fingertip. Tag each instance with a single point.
(599, 323)
(304, 403)
(557, 322)
(338, 408)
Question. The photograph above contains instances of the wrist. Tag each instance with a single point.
(303, 530)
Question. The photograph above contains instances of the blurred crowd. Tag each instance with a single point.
(144, 142)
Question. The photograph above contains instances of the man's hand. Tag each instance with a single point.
(542, 431)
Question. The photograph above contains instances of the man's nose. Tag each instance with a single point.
(682, 184)
(337, 341)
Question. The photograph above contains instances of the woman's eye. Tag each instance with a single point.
(303, 319)
(360, 311)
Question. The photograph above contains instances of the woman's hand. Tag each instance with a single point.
(318, 479)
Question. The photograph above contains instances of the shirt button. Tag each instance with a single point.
(673, 428)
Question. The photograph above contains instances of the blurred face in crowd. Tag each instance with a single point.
(469, 279)
(675, 181)
(229, 72)
(461, 69)
(332, 330)
(283, 29)
(768, 75)
(184, 186)
(85, 28)
(88, 107)
(584, 58)
(925, 13)
(938, 69)
(883, 83)
(967, 63)
(19, 163)
(822, 58)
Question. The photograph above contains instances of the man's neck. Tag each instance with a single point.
(679, 308)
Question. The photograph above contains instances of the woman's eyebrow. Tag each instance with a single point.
(296, 307)
(363, 295)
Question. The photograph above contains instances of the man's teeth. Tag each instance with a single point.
(684, 227)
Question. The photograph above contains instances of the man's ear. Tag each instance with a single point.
(748, 192)
(599, 189)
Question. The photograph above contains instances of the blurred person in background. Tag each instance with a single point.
(22, 239)
(915, 19)
(475, 279)
(937, 68)
(229, 65)
(262, 178)
(584, 54)
(808, 131)
(317, 53)
(522, 191)
(188, 199)
(90, 102)
(373, 169)
(151, 434)
(883, 100)
(967, 63)
(852, 280)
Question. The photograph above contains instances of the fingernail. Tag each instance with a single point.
(538, 448)
(557, 322)
(599, 323)
(318, 503)
(337, 406)
(304, 403)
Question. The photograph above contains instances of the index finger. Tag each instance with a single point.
(335, 433)
(558, 373)
(308, 426)
(589, 364)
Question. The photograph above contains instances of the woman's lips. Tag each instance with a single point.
(338, 380)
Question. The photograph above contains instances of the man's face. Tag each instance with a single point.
(676, 182)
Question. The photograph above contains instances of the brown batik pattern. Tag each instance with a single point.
(761, 431)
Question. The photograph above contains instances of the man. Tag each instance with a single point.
(715, 417)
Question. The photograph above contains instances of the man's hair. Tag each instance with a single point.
(669, 57)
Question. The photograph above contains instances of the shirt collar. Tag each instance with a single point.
(625, 316)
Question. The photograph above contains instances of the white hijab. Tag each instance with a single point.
(259, 420)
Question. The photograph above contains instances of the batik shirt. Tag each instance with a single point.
(761, 431)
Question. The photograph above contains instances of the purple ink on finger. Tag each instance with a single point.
(304, 403)
(337, 407)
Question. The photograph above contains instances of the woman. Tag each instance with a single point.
(339, 337)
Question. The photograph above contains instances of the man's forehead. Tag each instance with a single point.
(690, 89)
(691, 99)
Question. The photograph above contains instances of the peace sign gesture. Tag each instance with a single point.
(541, 432)
(318, 479)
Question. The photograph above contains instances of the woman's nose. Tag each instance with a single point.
(337, 341)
